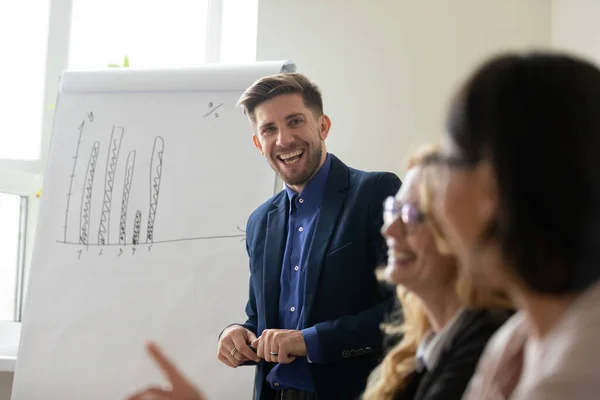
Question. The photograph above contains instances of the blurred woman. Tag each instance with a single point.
(447, 323)
(518, 196)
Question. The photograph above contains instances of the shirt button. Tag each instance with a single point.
(300, 229)
(296, 268)
(276, 384)
(300, 200)
(293, 309)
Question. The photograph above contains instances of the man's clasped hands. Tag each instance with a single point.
(236, 346)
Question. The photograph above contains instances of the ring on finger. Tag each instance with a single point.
(233, 351)
(274, 354)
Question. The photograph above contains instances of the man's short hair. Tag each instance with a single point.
(272, 86)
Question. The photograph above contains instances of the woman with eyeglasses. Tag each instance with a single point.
(446, 321)
(517, 194)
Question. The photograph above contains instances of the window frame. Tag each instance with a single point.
(24, 178)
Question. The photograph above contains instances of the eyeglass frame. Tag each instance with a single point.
(448, 160)
(394, 210)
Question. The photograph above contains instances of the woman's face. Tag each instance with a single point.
(414, 260)
(464, 204)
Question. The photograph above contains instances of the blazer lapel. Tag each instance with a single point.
(334, 195)
(272, 259)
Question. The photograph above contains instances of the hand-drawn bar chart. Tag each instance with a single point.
(130, 230)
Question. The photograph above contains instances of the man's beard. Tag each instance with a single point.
(312, 166)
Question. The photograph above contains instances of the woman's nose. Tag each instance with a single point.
(393, 228)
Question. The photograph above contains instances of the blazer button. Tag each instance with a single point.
(360, 352)
(352, 353)
(368, 350)
(345, 354)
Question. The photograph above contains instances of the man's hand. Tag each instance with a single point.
(181, 388)
(236, 337)
(286, 344)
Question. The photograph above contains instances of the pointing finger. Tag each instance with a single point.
(175, 377)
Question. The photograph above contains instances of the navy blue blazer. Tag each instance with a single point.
(343, 298)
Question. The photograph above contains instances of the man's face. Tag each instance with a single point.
(290, 137)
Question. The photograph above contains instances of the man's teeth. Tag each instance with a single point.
(291, 157)
(287, 156)
(292, 161)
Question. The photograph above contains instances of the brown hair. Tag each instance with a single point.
(520, 112)
(391, 376)
(272, 86)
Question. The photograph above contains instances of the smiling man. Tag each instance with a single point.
(315, 305)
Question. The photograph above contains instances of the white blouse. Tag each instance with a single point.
(433, 344)
(565, 364)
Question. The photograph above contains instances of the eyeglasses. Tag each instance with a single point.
(409, 213)
(448, 160)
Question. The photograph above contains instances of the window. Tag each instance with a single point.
(87, 34)
(22, 78)
(167, 33)
(238, 31)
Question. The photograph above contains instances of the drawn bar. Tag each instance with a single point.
(71, 178)
(155, 178)
(137, 227)
(109, 181)
(86, 196)
(126, 191)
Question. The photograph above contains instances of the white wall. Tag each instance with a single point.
(576, 27)
(387, 68)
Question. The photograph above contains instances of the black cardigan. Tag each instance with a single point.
(449, 379)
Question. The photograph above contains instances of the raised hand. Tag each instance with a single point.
(181, 387)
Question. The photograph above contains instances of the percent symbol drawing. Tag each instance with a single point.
(212, 109)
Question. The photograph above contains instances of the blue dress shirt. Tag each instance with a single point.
(302, 218)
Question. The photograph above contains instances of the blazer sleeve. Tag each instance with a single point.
(251, 322)
(456, 368)
(362, 331)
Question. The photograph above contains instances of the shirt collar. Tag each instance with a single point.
(433, 344)
(313, 191)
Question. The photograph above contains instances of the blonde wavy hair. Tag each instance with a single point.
(391, 377)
